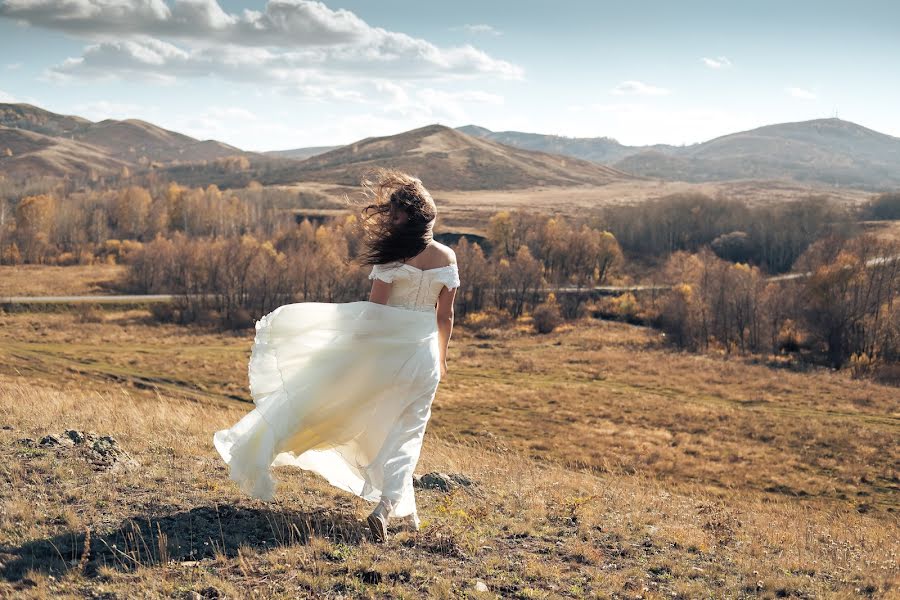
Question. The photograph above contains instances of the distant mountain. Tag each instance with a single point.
(448, 159)
(829, 151)
(66, 144)
(824, 151)
(598, 149)
(301, 153)
(35, 142)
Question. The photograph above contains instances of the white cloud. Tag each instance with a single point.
(801, 93)
(7, 98)
(481, 29)
(14, 66)
(639, 89)
(288, 40)
(430, 104)
(293, 23)
(719, 62)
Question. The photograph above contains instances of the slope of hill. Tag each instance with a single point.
(829, 151)
(598, 149)
(445, 158)
(301, 153)
(85, 143)
(593, 463)
(135, 139)
(28, 154)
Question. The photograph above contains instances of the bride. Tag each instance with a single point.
(345, 389)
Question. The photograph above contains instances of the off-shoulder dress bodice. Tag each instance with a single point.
(415, 288)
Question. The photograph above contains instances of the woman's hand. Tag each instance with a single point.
(443, 368)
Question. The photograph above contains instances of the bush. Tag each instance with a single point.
(546, 317)
(485, 319)
(66, 259)
(885, 207)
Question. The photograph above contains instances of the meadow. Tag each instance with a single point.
(602, 464)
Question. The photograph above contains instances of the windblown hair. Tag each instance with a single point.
(389, 191)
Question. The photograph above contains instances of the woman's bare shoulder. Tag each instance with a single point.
(446, 252)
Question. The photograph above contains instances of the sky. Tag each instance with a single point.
(280, 74)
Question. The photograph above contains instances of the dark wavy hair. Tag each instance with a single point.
(388, 191)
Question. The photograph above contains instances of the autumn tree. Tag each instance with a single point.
(131, 212)
(474, 274)
(35, 217)
(851, 295)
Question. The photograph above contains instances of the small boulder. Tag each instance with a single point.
(76, 436)
(107, 446)
(441, 481)
(51, 440)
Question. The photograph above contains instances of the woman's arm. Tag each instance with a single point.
(445, 323)
(381, 291)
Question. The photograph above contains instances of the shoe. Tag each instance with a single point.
(378, 520)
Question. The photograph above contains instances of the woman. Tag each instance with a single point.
(345, 389)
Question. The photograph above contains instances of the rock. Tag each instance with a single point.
(51, 440)
(106, 446)
(441, 481)
(481, 586)
(76, 436)
(8, 427)
(461, 479)
(103, 452)
(436, 481)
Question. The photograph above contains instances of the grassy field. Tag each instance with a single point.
(604, 465)
(44, 280)
(470, 210)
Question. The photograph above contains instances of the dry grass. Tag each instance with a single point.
(604, 465)
(42, 280)
(468, 211)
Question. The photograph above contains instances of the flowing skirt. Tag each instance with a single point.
(340, 389)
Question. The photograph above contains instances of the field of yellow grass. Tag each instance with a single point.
(603, 465)
(44, 280)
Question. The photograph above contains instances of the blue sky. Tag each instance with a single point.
(293, 73)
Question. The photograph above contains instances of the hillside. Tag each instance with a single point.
(603, 150)
(25, 153)
(594, 464)
(829, 151)
(135, 139)
(448, 159)
(821, 151)
(46, 143)
(301, 153)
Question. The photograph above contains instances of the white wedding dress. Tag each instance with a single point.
(343, 390)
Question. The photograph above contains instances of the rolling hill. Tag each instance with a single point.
(829, 151)
(833, 152)
(603, 150)
(821, 151)
(34, 141)
(448, 159)
(28, 154)
(301, 153)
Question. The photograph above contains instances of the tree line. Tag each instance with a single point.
(232, 256)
